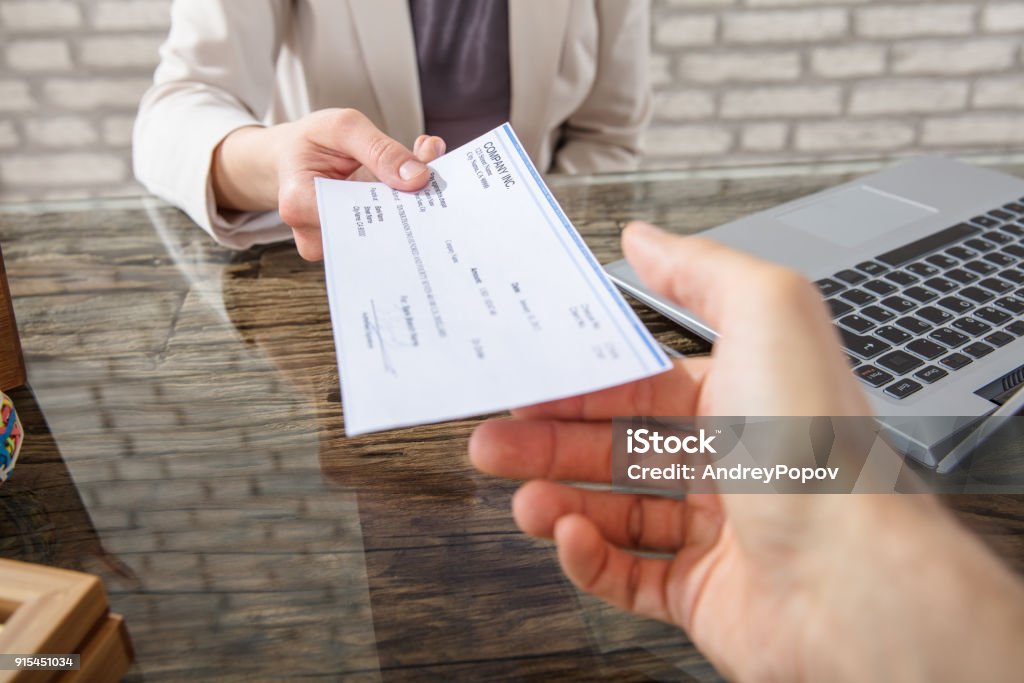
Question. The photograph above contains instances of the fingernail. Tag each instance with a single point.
(411, 168)
(439, 147)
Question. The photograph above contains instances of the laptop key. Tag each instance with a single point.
(902, 388)
(978, 349)
(926, 349)
(839, 307)
(961, 253)
(857, 296)
(955, 361)
(985, 221)
(1015, 229)
(919, 294)
(973, 327)
(860, 345)
(850, 276)
(979, 245)
(901, 277)
(999, 338)
(899, 304)
(993, 316)
(994, 285)
(980, 267)
(1016, 327)
(880, 287)
(955, 304)
(872, 267)
(976, 294)
(926, 245)
(1014, 207)
(936, 316)
(948, 337)
(872, 375)
(1000, 260)
(940, 285)
(998, 237)
(877, 313)
(899, 362)
(1014, 250)
(828, 287)
(921, 269)
(892, 334)
(1001, 215)
(913, 325)
(961, 276)
(857, 323)
(1012, 304)
(941, 261)
(930, 374)
(1014, 275)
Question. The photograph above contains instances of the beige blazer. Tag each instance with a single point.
(580, 94)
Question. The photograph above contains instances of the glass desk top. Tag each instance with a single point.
(185, 443)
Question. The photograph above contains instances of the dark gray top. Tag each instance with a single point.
(462, 50)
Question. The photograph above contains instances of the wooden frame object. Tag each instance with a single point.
(56, 611)
(12, 362)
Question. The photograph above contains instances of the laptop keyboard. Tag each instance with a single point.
(917, 314)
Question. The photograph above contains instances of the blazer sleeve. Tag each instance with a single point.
(605, 132)
(216, 74)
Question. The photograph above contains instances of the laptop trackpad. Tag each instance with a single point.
(856, 215)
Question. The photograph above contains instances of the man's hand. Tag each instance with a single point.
(769, 587)
(260, 169)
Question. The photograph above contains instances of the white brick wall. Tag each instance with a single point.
(824, 80)
(737, 82)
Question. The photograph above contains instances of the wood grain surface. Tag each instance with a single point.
(193, 455)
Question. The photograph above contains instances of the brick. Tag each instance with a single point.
(140, 14)
(660, 70)
(61, 131)
(810, 3)
(926, 19)
(39, 15)
(715, 67)
(117, 130)
(15, 96)
(684, 104)
(91, 93)
(1003, 17)
(852, 135)
(1005, 92)
(48, 169)
(121, 51)
(781, 101)
(685, 30)
(785, 26)
(688, 140)
(952, 57)
(39, 55)
(8, 135)
(1000, 130)
(908, 97)
(764, 137)
(848, 61)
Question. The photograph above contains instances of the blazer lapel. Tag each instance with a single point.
(536, 39)
(384, 30)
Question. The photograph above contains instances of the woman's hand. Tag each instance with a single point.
(262, 169)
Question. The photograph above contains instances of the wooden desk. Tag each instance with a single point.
(195, 460)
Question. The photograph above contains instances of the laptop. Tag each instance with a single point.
(922, 266)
